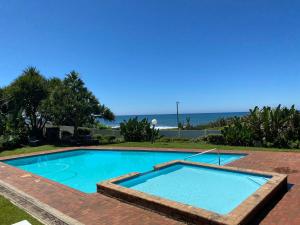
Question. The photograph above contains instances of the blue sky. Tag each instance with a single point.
(141, 56)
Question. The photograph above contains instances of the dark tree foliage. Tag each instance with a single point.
(27, 94)
(135, 130)
(72, 104)
(31, 101)
(3, 112)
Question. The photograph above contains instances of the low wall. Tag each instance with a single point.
(188, 133)
(165, 133)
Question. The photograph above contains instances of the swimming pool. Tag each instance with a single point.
(215, 190)
(199, 193)
(82, 169)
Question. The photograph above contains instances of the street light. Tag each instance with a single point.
(153, 123)
(177, 113)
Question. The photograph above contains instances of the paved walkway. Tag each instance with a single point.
(99, 209)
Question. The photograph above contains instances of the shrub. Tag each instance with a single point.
(98, 137)
(215, 139)
(119, 140)
(135, 130)
(111, 138)
(165, 139)
(100, 126)
(66, 135)
(268, 127)
(294, 144)
(215, 125)
(198, 140)
(106, 139)
(175, 139)
(12, 142)
(52, 134)
(181, 139)
(238, 134)
(83, 131)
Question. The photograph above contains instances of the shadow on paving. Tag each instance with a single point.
(267, 209)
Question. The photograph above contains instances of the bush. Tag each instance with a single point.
(295, 144)
(11, 143)
(66, 135)
(111, 139)
(165, 139)
(268, 127)
(175, 139)
(119, 140)
(238, 134)
(181, 139)
(83, 131)
(52, 134)
(98, 137)
(135, 130)
(106, 139)
(214, 125)
(14, 138)
(215, 139)
(100, 126)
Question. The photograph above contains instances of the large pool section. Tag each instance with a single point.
(82, 169)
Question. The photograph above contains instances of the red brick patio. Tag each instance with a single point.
(99, 209)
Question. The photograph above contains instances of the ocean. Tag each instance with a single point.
(167, 121)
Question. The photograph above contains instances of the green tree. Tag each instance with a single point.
(3, 112)
(27, 94)
(72, 104)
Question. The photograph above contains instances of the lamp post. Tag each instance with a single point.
(177, 113)
(153, 123)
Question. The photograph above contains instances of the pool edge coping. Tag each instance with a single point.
(243, 213)
(117, 148)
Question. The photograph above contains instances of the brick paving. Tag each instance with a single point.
(99, 209)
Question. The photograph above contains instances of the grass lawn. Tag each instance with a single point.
(24, 150)
(184, 145)
(10, 214)
(204, 146)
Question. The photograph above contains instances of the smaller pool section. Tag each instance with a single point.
(216, 190)
(82, 169)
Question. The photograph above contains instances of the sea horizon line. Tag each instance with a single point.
(181, 113)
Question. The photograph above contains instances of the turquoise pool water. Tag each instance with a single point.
(215, 190)
(82, 169)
